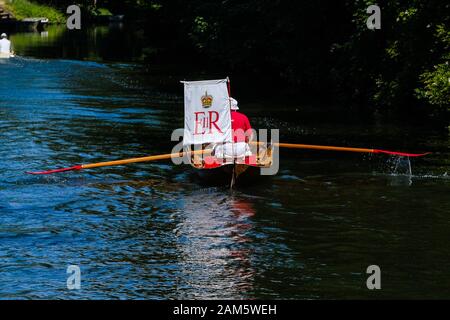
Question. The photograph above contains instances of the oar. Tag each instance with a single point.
(182, 154)
(346, 149)
(122, 162)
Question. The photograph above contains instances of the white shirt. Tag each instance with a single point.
(5, 46)
(232, 150)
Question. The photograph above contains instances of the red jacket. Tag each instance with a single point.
(242, 130)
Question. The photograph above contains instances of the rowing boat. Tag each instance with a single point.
(207, 106)
(208, 123)
(222, 171)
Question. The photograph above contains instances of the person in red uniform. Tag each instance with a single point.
(242, 135)
(242, 130)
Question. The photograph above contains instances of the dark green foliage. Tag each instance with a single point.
(24, 9)
(317, 49)
(436, 81)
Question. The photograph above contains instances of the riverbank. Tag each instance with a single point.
(23, 9)
(20, 10)
(4, 14)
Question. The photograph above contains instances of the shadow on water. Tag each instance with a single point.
(150, 231)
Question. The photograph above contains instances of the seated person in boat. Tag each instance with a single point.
(242, 135)
(5, 46)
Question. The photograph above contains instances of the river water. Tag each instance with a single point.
(153, 231)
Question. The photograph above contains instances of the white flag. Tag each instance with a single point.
(207, 117)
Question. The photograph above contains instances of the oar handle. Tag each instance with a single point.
(346, 149)
(132, 160)
(122, 162)
(143, 159)
(316, 147)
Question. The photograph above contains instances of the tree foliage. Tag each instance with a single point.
(435, 87)
(321, 49)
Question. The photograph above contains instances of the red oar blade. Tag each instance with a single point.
(78, 167)
(403, 154)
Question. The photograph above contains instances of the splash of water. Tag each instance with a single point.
(402, 166)
(400, 171)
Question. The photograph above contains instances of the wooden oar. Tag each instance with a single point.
(122, 162)
(346, 149)
(206, 151)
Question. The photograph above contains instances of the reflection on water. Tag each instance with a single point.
(214, 246)
(152, 231)
(115, 42)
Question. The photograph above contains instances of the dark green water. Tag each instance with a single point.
(153, 231)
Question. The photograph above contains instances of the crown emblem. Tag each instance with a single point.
(207, 100)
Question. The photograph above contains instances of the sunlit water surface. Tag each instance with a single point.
(153, 231)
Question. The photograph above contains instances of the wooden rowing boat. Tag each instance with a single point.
(219, 171)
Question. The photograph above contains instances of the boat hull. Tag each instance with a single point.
(223, 176)
(238, 171)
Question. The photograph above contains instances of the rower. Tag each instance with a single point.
(242, 130)
(5, 45)
(242, 135)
